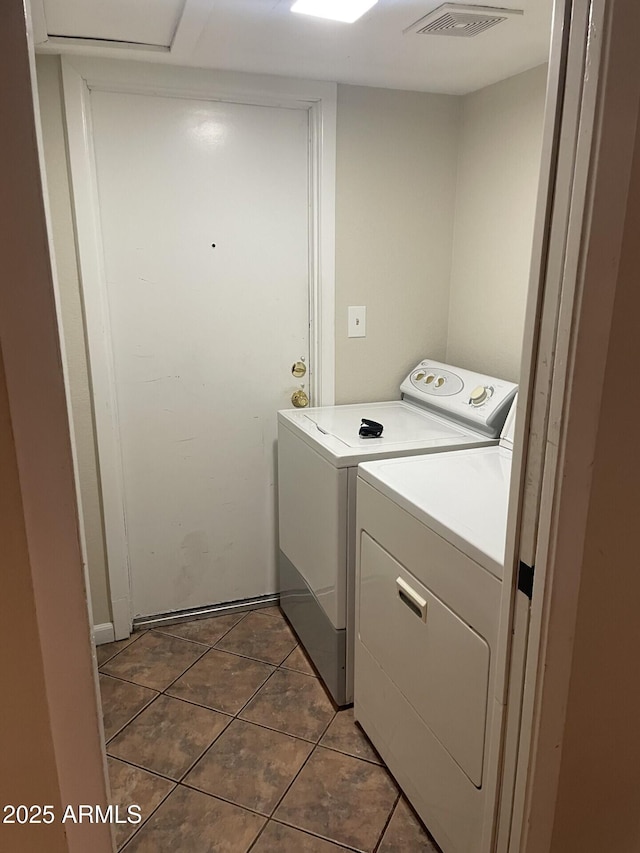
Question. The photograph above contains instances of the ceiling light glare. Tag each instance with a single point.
(346, 11)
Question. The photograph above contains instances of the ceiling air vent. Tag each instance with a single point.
(454, 19)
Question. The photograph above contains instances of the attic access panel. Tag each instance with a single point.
(149, 22)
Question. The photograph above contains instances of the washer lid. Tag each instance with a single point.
(461, 495)
(401, 424)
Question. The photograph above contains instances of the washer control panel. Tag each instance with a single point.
(440, 382)
(481, 394)
(479, 401)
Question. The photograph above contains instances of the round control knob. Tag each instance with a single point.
(478, 395)
(429, 379)
(440, 381)
(419, 376)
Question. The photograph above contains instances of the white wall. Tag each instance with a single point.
(49, 90)
(395, 194)
(498, 166)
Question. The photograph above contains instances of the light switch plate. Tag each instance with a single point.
(357, 321)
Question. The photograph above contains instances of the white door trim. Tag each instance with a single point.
(601, 173)
(537, 360)
(80, 76)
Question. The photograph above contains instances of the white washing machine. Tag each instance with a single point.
(432, 534)
(442, 408)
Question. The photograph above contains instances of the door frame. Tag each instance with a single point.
(585, 175)
(567, 380)
(80, 76)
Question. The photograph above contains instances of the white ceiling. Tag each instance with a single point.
(263, 36)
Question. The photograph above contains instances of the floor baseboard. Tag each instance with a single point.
(103, 633)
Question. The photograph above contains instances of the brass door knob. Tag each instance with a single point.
(300, 399)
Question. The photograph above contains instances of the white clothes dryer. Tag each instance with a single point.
(431, 545)
(442, 408)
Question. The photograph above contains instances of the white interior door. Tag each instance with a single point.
(205, 232)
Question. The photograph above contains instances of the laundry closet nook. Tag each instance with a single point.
(317, 512)
(434, 206)
(333, 235)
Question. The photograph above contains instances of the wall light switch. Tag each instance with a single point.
(357, 321)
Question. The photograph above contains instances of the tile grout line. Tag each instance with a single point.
(208, 707)
(315, 744)
(127, 681)
(303, 765)
(350, 754)
(161, 690)
(202, 656)
(263, 611)
(157, 772)
(198, 705)
(115, 654)
(224, 651)
(173, 636)
(297, 671)
(181, 783)
(280, 732)
(255, 693)
(145, 769)
(248, 657)
(167, 632)
(318, 746)
(257, 838)
(288, 787)
(232, 718)
(221, 637)
(137, 714)
(203, 753)
(184, 672)
(339, 844)
(223, 800)
(388, 821)
(267, 817)
(216, 710)
(146, 821)
(277, 669)
(208, 648)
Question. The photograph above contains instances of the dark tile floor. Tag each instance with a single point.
(222, 733)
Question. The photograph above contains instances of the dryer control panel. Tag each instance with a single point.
(474, 399)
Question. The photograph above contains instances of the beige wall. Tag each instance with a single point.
(50, 741)
(498, 166)
(598, 795)
(49, 89)
(395, 195)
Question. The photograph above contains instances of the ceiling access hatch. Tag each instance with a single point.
(457, 20)
(143, 22)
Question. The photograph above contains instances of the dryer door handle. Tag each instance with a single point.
(416, 603)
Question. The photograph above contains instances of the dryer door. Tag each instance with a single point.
(436, 660)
